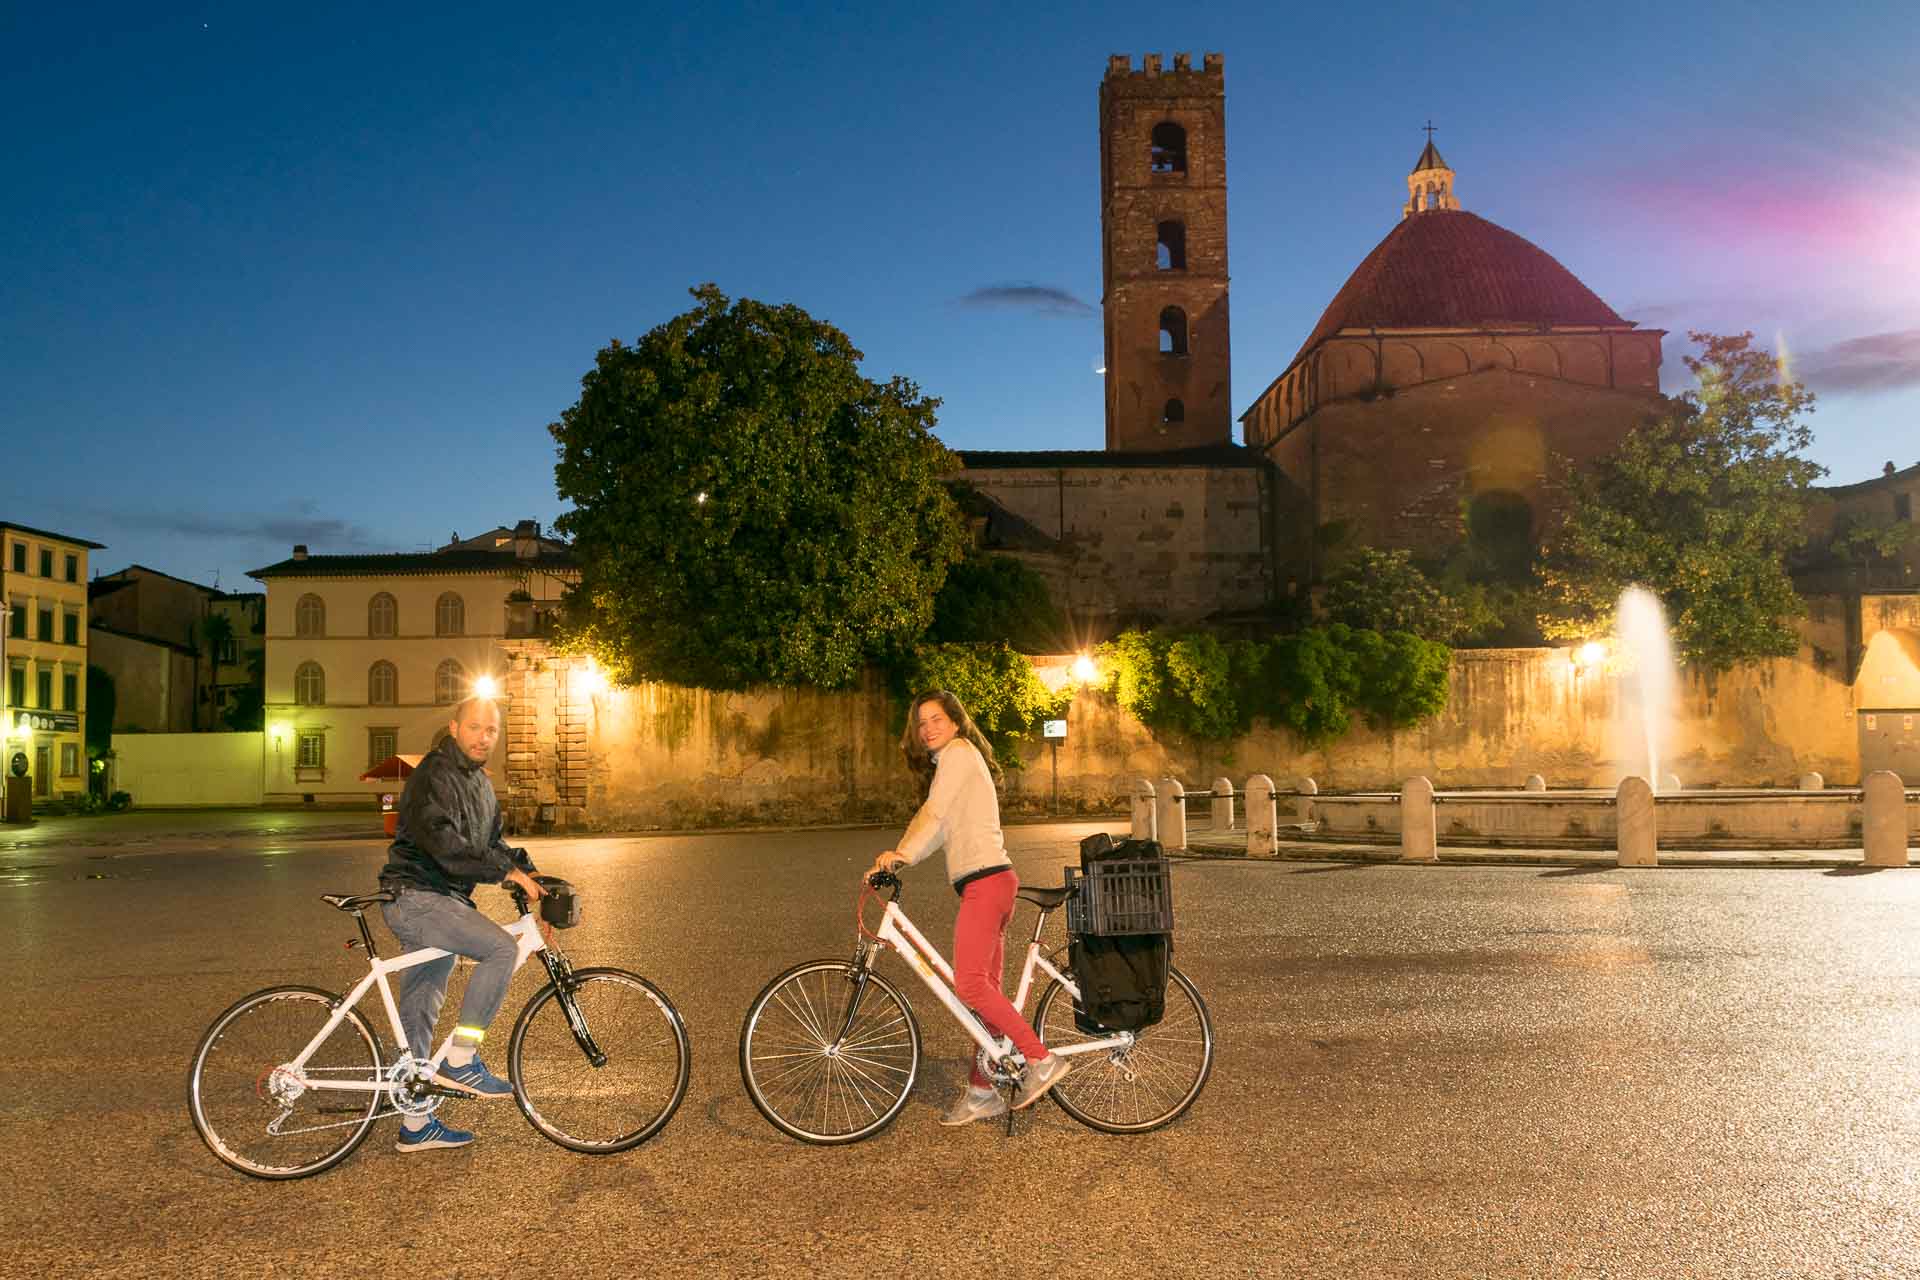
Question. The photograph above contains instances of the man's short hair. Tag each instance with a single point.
(460, 708)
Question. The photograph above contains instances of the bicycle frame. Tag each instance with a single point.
(526, 931)
(900, 933)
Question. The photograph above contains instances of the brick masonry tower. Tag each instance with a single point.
(1163, 225)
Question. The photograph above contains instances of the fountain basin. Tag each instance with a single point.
(1705, 819)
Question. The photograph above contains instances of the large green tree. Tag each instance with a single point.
(748, 508)
(1701, 507)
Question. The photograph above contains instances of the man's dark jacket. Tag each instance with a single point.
(448, 837)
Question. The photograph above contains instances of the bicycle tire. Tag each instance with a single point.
(230, 1084)
(807, 1087)
(621, 1103)
(1140, 1088)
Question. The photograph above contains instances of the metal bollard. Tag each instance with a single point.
(1222, 815)
(1638, 830)
(1263, 818)
(1172, 816)
(1143, 811)
(1884, 827)
(1419, 826)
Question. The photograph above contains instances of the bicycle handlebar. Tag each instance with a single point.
(885, 880)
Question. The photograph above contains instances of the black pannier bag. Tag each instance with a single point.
(1120, 934)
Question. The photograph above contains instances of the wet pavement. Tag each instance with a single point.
(1469, 1069)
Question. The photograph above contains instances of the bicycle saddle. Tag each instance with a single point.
(356, 901)
(1045, 899)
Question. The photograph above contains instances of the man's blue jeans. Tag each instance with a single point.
(421, 918)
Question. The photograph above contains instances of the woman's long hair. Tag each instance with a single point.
(919, 760)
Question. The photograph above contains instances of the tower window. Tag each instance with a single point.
(1173, 246)
(1173, 332)
(1175, 412)
(1169, 149)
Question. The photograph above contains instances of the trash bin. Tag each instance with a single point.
(389, 812)
(19, 806)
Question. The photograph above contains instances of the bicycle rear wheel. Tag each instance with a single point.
(1144, 1086)
(627, 1099)
(270, 1122)
(827, 1055)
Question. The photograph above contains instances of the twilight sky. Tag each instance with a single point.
(324, 275)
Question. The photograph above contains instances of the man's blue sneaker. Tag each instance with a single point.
(474, 1078)
(432, 1138)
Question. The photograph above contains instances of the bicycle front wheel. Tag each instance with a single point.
(829, 1054)
(631, 1095)
(267, 1120)
(1144, 1086)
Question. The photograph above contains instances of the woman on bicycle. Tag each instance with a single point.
(961, 811)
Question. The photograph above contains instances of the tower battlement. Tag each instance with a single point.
(1120, 66)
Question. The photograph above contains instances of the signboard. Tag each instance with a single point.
(1053, 729)
(48, 721)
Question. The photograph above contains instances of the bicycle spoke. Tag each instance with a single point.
(615, 1106)
(810, 1079)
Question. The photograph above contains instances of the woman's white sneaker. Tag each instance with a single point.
(1041, 1076)
(972, 1106)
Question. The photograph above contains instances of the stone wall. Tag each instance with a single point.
(1172, 541)
(657, 756)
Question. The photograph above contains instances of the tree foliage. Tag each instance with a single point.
(748, 508)
(1702, 508)
(996, 598)
(1379, 590)
(1312, 682)
(998, 687)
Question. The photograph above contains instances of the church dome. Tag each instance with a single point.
(1449, 269)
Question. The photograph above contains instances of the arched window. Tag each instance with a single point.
(383, 615)
(1169, 149)
(1500, 536)
(309, 685)
(383, 685)
(450, 615)
(449, 682)
(310, 617)
(1173, 332)
(1174, 412)
(1172, 251)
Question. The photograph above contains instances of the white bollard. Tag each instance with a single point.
(1534, 782)
(1222, 816)
(1172, 814)
(1263, 818)
(1812, 782)
(1419, 826)
(1306, 788)
(1884, 827)
(1638, 838)
(1671, 784)
(1143, 810)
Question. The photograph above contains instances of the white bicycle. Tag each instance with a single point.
(831, 1049)
(289, 1081)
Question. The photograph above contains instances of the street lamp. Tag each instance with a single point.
(1084, 669)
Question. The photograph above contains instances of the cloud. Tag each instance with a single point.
(1880, 362)
(1045, 299)
(303, 524)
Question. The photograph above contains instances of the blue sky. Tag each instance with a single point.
(325, 276)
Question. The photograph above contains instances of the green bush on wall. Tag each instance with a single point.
(997, 685)
(1312, 682)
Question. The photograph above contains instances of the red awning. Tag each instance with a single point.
(392, 769)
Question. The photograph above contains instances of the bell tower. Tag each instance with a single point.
(1430, 185)
(1163, 233)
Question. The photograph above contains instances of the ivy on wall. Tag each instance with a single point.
(1313, 682)
(997, 685)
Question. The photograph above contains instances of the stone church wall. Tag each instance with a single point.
(1166, 542)
(1402, 470)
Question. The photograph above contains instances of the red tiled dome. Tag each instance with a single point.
(1446, 268)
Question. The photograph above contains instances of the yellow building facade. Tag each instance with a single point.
(366, 655)
(43, 659)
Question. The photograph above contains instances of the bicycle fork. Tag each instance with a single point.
(562, 974)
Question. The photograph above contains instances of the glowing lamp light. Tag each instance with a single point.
(1591, 654)
(700, 498)
(590, 680)
(485, 686)
(1084, 669)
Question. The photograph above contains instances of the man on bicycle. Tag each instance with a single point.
(447, 840)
